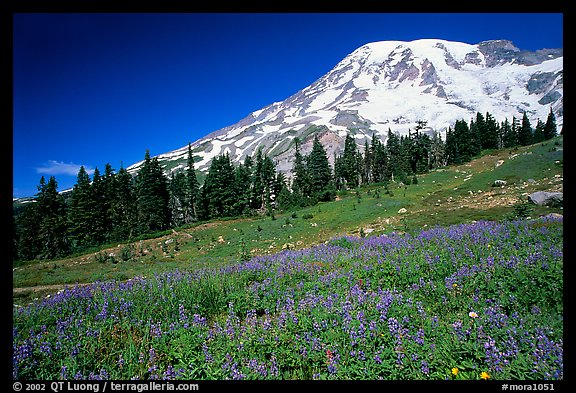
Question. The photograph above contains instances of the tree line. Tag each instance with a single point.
(117, 206)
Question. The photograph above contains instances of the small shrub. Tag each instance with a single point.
(127, 252)
(307, 216)
(101, 257)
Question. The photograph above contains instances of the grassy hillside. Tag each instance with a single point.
(456, 287)
(453, 195)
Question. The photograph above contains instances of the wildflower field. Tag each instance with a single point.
(468, 301)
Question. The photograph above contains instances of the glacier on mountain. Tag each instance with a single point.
(391, 85)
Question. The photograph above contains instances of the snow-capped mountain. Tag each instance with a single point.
(390, 85)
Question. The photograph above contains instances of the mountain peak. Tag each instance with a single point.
(498, 45)
(389, 86)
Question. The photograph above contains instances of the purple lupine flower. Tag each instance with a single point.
(274, 367)
(170, 373)
(393, 325)
(419, 339)
(424, 367)
(183, 316)
(63, 373)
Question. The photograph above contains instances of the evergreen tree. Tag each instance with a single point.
(109, 192)
(178, 202)
(366, 163)
(525, 132)
(380, 161)
(492, 131)
(152, 196)
(100, 213)
(284, 198)
(124, 207)
(538, 132)
(192, 189)
(322, 186)
(404, 165)
(339, 172)
(243, 187)
(52, 227)
(452, 151)
(28, 231)
(393, 147)
(437, 151)
(258, 183)
(550, 129)
(268, 179)
(516, 129)
(349, 162)
(82, 213)
(301, 178)
(482, 132)
(218, 190)
(475, 139)
(419, 148)
(262, 182)
(458, 149)
(462, 134)
(509, 136)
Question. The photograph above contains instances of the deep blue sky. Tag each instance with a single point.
(91, 89)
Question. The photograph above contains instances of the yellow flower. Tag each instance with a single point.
(484, 375)
(455, 371)
(454, 285)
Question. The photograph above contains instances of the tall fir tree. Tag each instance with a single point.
(366, 163)
(475, 138)
(218, 192)
(321, 182)
(525, 132)
(109, 192)
(301, 188)
(404, 167)
(492, 131)
(82, 213)
(538, 132)
(100, 214)
(509, 135)
(28, 232)
(339, 172)
(285, 199)
(458, 148)
(419, 150)
(243, 187)
(380, 170)
(268, 178)
(178, 202)
(437, 151)
(482, 131)
(152, 196)
(192, 189)
(550, 129)
(393, 146)
(349, 162)
(124, 207)
(52, 227)
(257, 199)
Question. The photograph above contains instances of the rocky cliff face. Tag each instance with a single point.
(391, 85)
